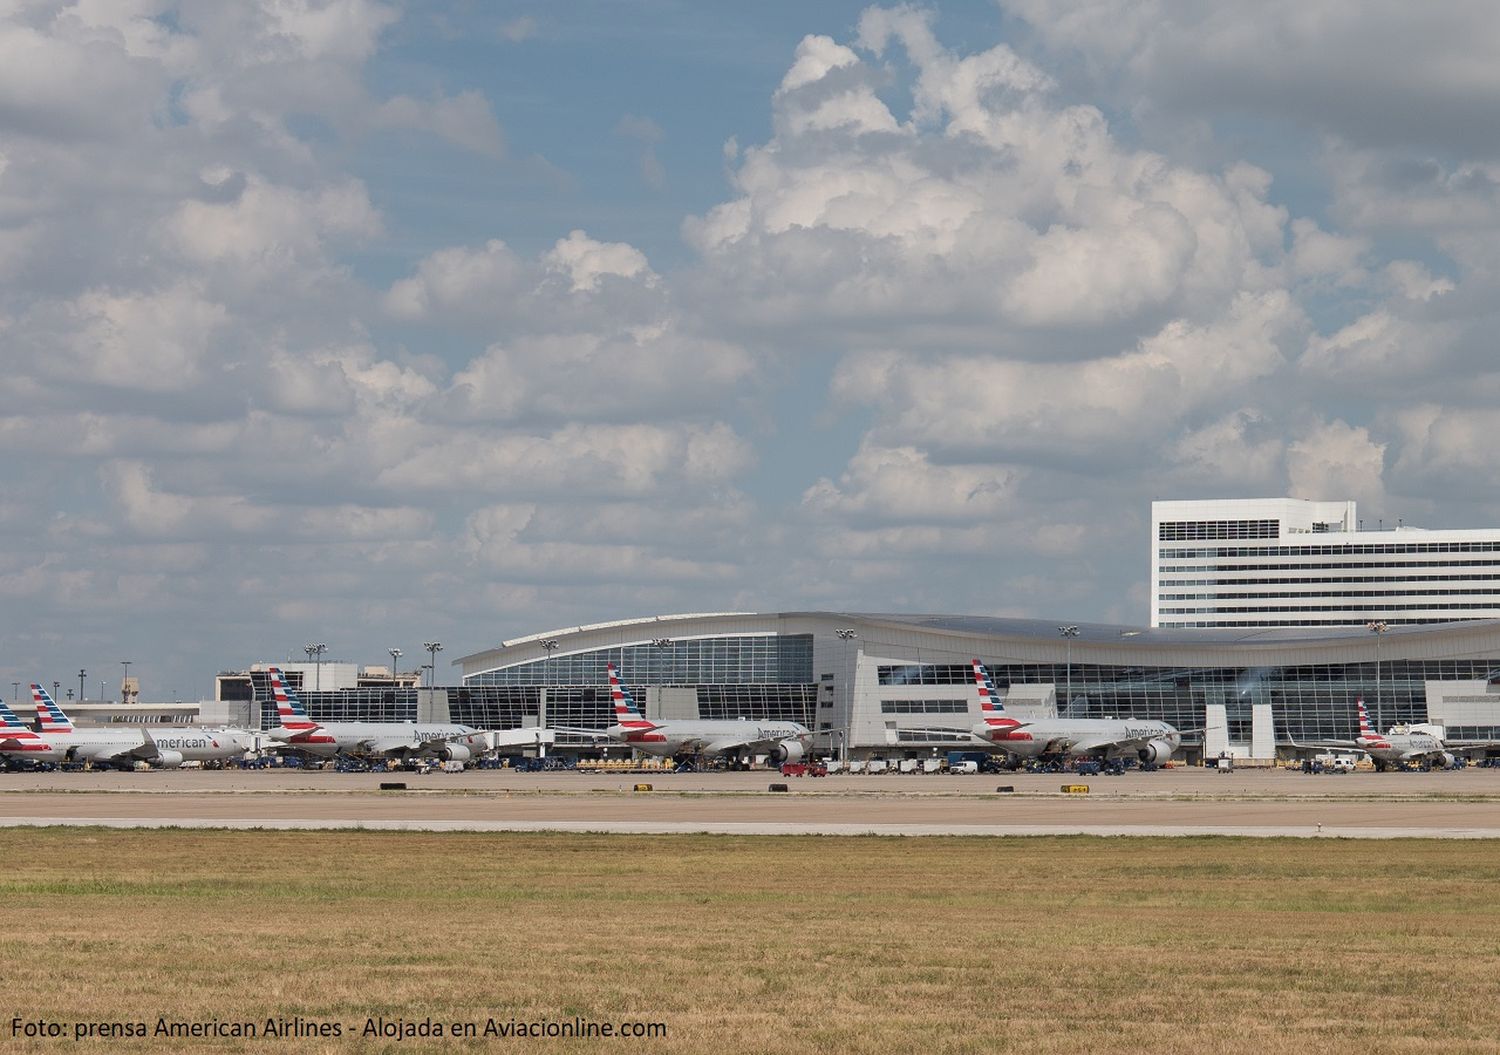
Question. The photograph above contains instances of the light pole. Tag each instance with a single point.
(15, 693)
(846, 634)
(433, 648)
(1378, 627)
(316, 651)
(81, 673)
(544, 694)
(1069, 632)
(124, 679)
(56, 689)
(662, 644)
(395, 655)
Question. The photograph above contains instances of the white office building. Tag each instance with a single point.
(1286, 562)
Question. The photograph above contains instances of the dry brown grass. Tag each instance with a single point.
(751, 945)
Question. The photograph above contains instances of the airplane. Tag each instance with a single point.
(403, 740)
(19, 741)
(779, 741)
(167, 746)
(1403, 745)
(1151, 742)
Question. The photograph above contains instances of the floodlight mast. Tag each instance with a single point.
(1378, 627)
(1069, 632)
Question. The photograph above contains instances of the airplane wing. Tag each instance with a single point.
(115, 753)
(735, 743)
(723, 743)
(387, 745)
(283, 735)
(1106, 744)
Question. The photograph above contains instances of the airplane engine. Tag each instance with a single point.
(1155, 753)
(1445, 760)
(168, 759)
(456, 753)
(786, 751)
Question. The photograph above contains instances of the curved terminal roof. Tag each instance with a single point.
(1038, 637)
(1114, 633)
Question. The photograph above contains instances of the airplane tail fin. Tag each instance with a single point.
(48, 712)
(1364, 718)
(288, 707)
(990, 704)
(8, 719)
(626, 712)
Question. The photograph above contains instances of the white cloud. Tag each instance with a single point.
(647, 370)
(1376, 349)
(590, 461)
(1443, 450)
(268, 225)
(901, 484)
(991, 209)
(586, 261)
(456, 279)
(465, 120)
(503, 538)
(1242, 452)
(1307, 61)
(241, 365)
(157, 342)
(1317, 253)
(1337, 460)
(1090, 409)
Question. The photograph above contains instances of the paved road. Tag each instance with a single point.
(1243, 783)
(762, 828)
(1449, 805)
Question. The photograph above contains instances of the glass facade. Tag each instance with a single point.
(924, 706)
(750, 659)
(759, 677)
(784, 703)
(342, 705)
(494, 706)
(1313, 702)
(1198, 530)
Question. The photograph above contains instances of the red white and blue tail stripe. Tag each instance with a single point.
(48, 712)
(626, 712)
(288, 707)
(1367, 734)
(991, 708)
(16, 737)
(8, 719)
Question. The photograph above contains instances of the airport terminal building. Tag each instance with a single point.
(889, 685)
(1262, 612)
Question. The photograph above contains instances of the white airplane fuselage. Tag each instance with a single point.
(19, 744)
(1394, 748)
(385, 739)
(720, 736)
(1110, 737)
(165, 745)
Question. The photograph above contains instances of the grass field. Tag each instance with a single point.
(760, 945)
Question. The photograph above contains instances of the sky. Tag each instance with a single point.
(370, 323)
